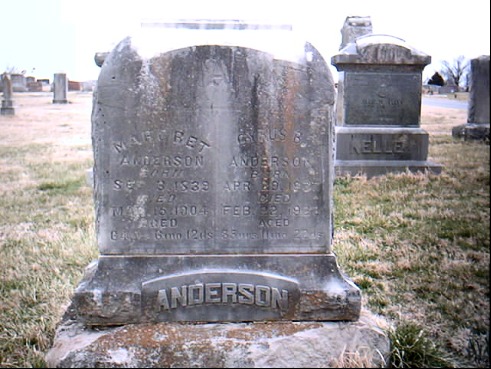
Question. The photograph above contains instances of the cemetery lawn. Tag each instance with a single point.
(417, 245)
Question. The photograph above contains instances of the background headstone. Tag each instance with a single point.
(60, 88)
(354, 27)
(18, 82)
(213, 181)
(7, 103)
(379, 108)
(477, 127)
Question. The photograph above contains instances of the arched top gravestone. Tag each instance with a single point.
(380, 49)
(213, 147)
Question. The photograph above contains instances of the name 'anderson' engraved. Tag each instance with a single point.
(223, 293)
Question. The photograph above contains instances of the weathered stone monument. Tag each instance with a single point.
(213, 174)
(477, 127)
(379, 108)
(60, 88)
(7, 103)
(354, 27)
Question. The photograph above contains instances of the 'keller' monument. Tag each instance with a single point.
(213, 178)
(379, 108)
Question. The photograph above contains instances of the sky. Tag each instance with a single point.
(43, 37)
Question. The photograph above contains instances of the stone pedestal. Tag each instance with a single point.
(60, 88)
(7, 108)
(378, 108)
(234, 345)
(215, 288)
(377, 151)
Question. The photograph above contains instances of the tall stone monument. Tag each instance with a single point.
(354, 27)
(60, 88)
(213, 174)
(379, 108)
(7, 103)
(477, 127)
(213, 181)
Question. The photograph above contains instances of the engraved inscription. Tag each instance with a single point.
(382, 99)
(177, 137)
(177, 161)
(223, 293)
(240, 164)
(204, 291)
(377, 147)
(277, 135)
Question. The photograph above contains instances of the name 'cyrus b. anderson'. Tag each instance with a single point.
(223, 293)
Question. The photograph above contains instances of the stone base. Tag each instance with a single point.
(373, 168)
(361, 344)
(381, 143)
(472, 132)
(215, 288)
(7, 111)
(375, 151)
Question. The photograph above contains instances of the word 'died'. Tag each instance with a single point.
(223, 293)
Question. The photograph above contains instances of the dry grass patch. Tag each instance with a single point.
(416, 244)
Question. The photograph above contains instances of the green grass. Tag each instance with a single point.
(412, 348)
(416, 244)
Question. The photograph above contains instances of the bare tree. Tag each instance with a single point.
(456, 71)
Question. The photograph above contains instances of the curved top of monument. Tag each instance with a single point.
(156, 38)
(380, 49)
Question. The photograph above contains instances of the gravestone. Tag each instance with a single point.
(213, 176)
(477, 127)
(7, 103)
(60, 88)
(213, 181)
(18, 82)
(379, 107)
(354, 27)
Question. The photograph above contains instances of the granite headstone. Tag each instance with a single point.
(379, 108)
(213, 176)
(60, 88)
(7, 103)
(477, 127)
